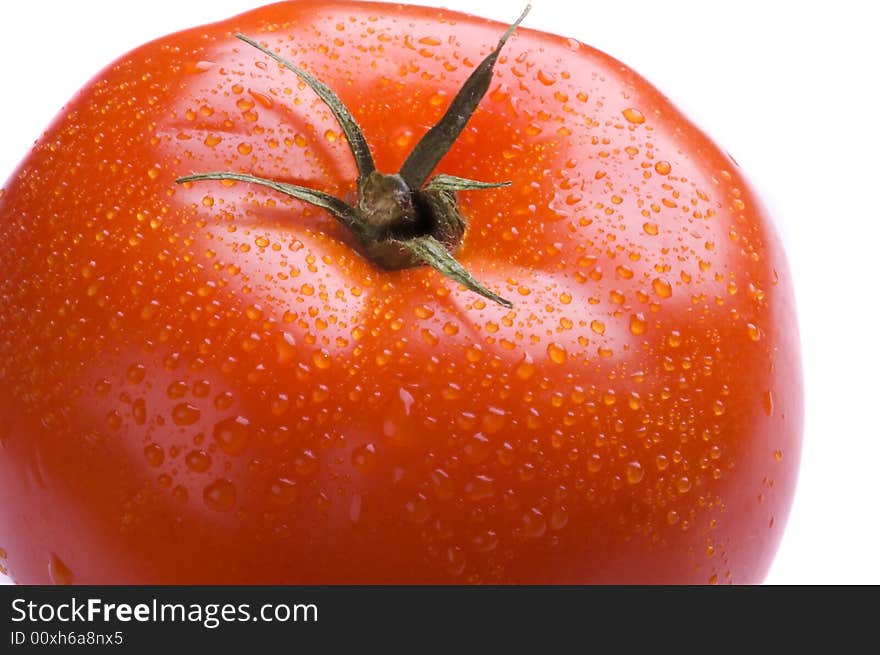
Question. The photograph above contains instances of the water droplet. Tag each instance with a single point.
(663, 168)
(637, 324)
(442, 484)
(505, 454)
(176, 389)
(526, 471)
(254, 312)
(149, 311)
(634, 472)
(113, 419)
(633, 116)
(285, 347)
(545, 78)
(102, 388)
(662, 287)
(753, 331)
(223, 400)
(477, 449)
(455, 561)
(198, 461)
(185, 414)
(364, 458)
(139, 411)
(683, 484)
(624, 272)
(778, 455)
(485, 541)
(263, 99)
(526, 368)
(201, 388)
(280, 435)
(418, 510)
(196, 67)
(154, 454)
(534, 524)
(279, 404)
(136, 373)
(407, 399)
(220, 495)
(321, 359)
(672, 517)
(473, 354)
(499, 94)
(59, 573)
(494, 420)
(305, 464)
(557, 353)
(283, 492)
(768, 403)
(598, 327)
(232, 435)
(558, 518)
(481, 487)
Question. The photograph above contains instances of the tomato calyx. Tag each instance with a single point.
(401, 220)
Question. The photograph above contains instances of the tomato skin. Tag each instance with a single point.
(205, 384)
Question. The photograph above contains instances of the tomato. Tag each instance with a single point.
(209, 381)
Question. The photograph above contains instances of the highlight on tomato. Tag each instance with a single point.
(344, 292)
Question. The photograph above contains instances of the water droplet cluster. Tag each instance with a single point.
(217, 356)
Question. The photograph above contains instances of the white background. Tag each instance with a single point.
(789, 89)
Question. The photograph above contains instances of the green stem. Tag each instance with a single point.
(453, 183)
(341, 210)
(353, 134)
(399, 223)
(439, 139)
(433, 253)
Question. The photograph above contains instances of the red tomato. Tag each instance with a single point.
(209, 383)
